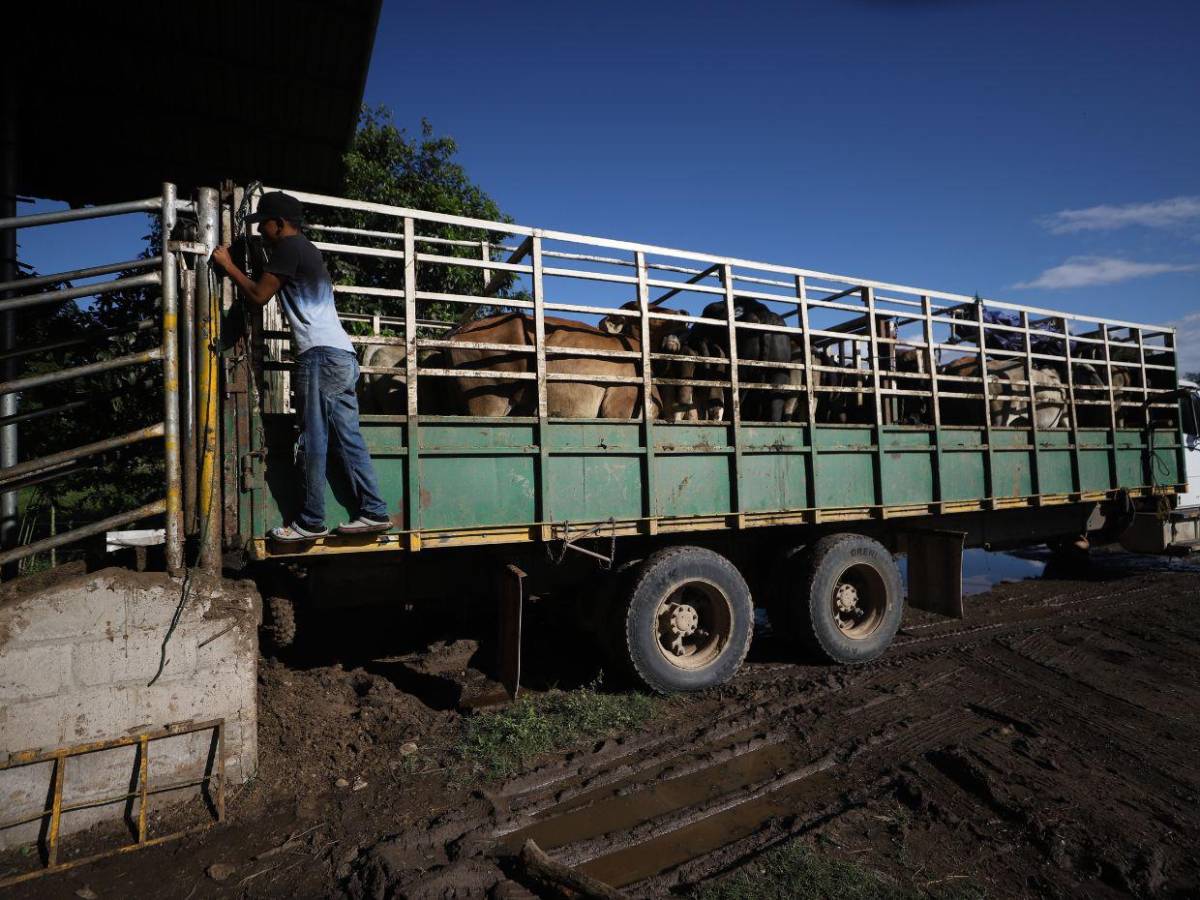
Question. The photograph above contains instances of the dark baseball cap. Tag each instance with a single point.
(278, 205)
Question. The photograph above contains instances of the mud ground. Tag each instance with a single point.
(1048, 745)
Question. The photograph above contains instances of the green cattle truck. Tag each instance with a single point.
(670, 526)
(657, 439)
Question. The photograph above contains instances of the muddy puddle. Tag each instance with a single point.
(673, 848)
(984, 570)
(611, 809)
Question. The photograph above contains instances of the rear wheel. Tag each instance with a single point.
(847, 602)
(687, 621)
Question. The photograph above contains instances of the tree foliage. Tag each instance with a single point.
(386, 165)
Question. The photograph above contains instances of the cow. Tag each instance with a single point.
(498, 397)
(379, 392)
(1008, 403)
(680, 403)
(704, 339)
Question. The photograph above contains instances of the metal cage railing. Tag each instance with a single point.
(161, 271)
(885, 355)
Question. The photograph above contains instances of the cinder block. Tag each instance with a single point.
(27, 673)
(104, 773)
(134, 658)
(68, 613)
(233, 648)
(154, 607)
(40, 724)
(25, 791)
(94, 714)
(203, 696)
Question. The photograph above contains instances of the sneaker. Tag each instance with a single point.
(295, 533)
(365, 525)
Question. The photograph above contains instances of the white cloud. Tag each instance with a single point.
(1157, 214)
(1187, 342)
(1089, 271)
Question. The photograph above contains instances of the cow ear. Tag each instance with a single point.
(613, 326)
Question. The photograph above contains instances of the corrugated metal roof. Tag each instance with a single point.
(115, 98)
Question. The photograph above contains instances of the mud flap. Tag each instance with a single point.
(508, 648)
(935, 571)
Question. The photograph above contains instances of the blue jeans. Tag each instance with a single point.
(327, 408)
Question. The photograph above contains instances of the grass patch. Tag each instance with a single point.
(497, 744)
(794, 871)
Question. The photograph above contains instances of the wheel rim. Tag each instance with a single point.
(858, 601)
(694, 625)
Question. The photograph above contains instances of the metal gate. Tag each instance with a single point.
(166, 268)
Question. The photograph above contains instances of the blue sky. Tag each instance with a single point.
(1035, 152)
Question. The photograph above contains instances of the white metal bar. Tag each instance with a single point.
(630, 246)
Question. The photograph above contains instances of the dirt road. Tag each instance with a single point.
(1047, 745)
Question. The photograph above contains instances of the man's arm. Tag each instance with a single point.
(259, 292)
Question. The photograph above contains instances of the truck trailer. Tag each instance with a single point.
(660, 439)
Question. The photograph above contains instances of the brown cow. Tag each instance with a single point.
(494, 397)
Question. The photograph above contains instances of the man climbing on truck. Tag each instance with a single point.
(326, 369)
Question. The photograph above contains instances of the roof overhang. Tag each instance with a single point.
(114, 99)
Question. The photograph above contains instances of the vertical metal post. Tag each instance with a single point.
(546, 511)
(60, 767)
(935, 400)
(1148, 434)
(8, 320)
(143, 785)
(810, 390)
(187, 393)
(1034, 436)
(643, 292)
(868, 296)
(1145, 383)
(170, 304)
(1112, 410)
(735, 399)
(989, 473)
(485, 253)
(208, 337)
(1170, 339)
(412, 421)
(1073, 423)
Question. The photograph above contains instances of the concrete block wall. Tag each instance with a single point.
(77, 654)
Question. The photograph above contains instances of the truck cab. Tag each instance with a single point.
(1160, 528)
(1191, 440)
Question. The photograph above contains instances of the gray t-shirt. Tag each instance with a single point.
(307, 295)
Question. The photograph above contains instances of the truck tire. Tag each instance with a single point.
(848, 600)
(279, 623)
(686, 621)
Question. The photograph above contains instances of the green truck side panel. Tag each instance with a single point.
(487, 474)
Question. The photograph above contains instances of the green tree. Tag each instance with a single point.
(386, 165)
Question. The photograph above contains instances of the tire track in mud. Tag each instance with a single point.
(1126, 730)
(625, 853)
(982, 717)
(615, 837)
